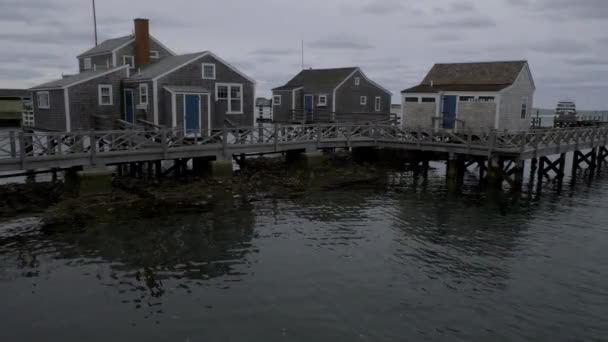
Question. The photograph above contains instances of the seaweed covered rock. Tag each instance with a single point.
(16, 199)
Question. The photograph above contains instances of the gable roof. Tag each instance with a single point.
(111, 45)
(107, 46)
(481, 76)
(263, 102)
(170, 64)
(77, 78)
(329, 78)
(165, 65)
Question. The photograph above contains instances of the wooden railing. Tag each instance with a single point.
(19, 148)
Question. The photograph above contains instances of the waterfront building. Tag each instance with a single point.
(16, 107)
(135, 79)
(485, 95)
(342, 94)
(263, 109)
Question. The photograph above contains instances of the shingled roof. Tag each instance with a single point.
(77, 78)
(107, 46)
(482, 76)
(329, 78)
(165, 65)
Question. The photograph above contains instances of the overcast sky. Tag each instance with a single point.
(394, 41)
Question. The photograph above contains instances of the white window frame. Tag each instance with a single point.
(48, 99)
(524, 102)
(324, 103)
(131, 58)
(363, 100)
(357, 81)
(99, 89)
(378, 103)
(141, 87)
(229, 95)
(154, 54)
(203, 65)
(274, 100)
(87, 63)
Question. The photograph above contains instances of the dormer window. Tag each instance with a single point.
(154, 54)
(357, 81)
(128, 60)
(87, 63)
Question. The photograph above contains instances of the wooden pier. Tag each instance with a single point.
(500, 155)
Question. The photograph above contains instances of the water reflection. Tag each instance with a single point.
(397, 258)
(137, 257)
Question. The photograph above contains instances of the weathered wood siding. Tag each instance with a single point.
(52, 119)
(477, 115)
(84, 100)
(419, 114)
(129, 50)
(101, 61)
(348, 97)
(511, 101)
(281, 113)
(191, 75)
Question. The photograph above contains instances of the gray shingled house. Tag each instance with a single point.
(485, 95)
(137, 79)
(343, 94)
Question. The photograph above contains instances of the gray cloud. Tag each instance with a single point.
(394, 41)
(459, 23)
(588, 61)
(20, 74)
(565, 9)
(273, 52)
(560, 46)
(446, 37)
(342, 43)
(382, 7)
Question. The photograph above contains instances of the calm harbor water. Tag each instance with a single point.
(398, 261)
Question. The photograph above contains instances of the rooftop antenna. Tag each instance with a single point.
(95, 22)
(302, 54)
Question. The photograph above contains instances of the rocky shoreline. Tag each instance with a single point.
(131, 198)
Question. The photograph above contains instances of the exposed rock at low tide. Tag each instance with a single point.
(258, 179)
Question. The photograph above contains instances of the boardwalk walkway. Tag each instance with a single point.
(21, 151)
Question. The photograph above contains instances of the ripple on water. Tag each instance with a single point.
(409, 261)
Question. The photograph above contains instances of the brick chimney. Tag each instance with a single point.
(142, 42)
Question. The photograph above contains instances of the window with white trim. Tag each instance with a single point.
(486, 99)
(411, 99)
(322, 101)
(128, 60)
(233, 94)
(143, 94)
(221, 92)
(88, 64)
(208, 71)
(105, 95)
(524, 108)
(154, 54)
(378, 104)
(363, 100)
(44, 100)
(357, 81)
(276, 100)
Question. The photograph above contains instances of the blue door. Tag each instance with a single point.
(449, 111)
(192, 112)
(308, 107)
(129, 106)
